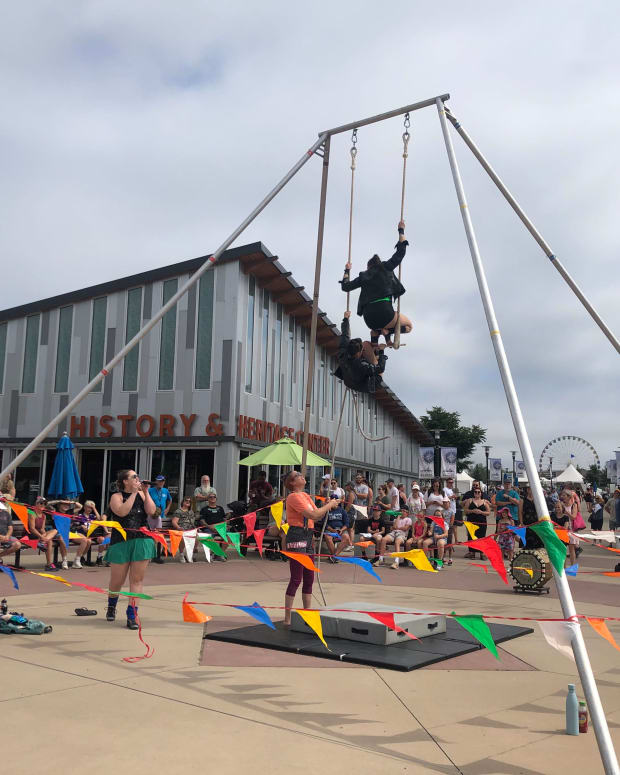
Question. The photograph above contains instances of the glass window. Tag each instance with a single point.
(301, 371)
(290, 355)
(3, 328)
(97, 339)
(31, 347)
(244, 483)
(132, 326)
(168, 463)
(264, 345)
(277, 354)
(332, 387)
(28, 476)
(198, 463)
(249, 346)
(168, 338)
(92, 466)
(63, 350)
(204, 333)
(321, 386)
(117, 460)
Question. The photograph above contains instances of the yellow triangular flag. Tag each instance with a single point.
(108, 523)
(76, 536)
(313, 620)
(285, 527)
(471, 529)
(417, 557)
(276, 513)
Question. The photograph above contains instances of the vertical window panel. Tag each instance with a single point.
(301, 371)
(3, 328)
(277, 354)
(321, 386)
(97, 339)
(31, 349)
(204, 334)
(132, 326)
(290, 358)
(249, 345)
(167, 342)
(63, 350)
(264, 344)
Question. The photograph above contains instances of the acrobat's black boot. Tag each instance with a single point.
(111, 612)
(132, 611)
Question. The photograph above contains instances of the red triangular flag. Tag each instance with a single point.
(31, 542)
(250, 521)
(489, 547)
(157, 537)
(440, 521)
(258, 537)
(388, 619)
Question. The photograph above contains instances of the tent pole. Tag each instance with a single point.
(534, 232)
(208, 264)
(315, 303)
(599, 722)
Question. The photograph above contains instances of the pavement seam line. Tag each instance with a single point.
(43, 694)
(417, 720)
(218, 712)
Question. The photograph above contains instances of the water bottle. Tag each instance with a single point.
(4, 607)
(572, 711)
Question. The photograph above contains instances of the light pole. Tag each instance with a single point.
(514, 467)
(437, 433)
(487, 449)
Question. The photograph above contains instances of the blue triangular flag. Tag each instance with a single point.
(10, 574)
(571, 570)
(520, 531)
(364, 564)
(258, 613)
(63, 524)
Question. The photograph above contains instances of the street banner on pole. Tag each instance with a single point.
(520, 468)
(448, 461)
(427, 462)
(495, 469)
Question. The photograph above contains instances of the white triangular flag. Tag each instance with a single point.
(207, 553)
(189, 539)
(362, 510)
(560, 635)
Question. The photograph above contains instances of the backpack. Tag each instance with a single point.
(19, 624)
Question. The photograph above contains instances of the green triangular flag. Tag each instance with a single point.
(556, 549)
(141, 595)
(221, 529)
(475, 624)
(235, 539)
(438, 563)
(213, 545)
(392, 513)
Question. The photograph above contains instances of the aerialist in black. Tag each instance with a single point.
(360, 366)
(379, 287)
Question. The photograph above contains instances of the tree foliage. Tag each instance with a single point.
(453, 434)
(479, 472)
(597, 475)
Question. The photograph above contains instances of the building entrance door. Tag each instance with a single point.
(198, 462)
(92, 468)
(168, 463)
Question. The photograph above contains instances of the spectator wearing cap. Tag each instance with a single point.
(337, 522)
(260, 492)
(415, 501)
(162, 499)
(8, 544)
(508, 497)
(324, 488)
(41, 527)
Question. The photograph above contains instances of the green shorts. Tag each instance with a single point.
(134, 550)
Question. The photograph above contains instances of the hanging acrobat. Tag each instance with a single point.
(360, 365)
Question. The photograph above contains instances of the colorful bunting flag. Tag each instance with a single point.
(600, 626)
(157, 537)
(54, 578)
(555, 548)
(75, 536)
(62, 525)
(88, 587)
(417, 557)
(191, 614)
(140, 595)
(21, 512)
(250, 523)
(10, 574)
(303, 559)
(489, 547)
(520, 531)
(471, 529)
(258, 537)
(571, 570)
(31, 542)
(562, 534)
(285, 526)
(476, 626)
(221, 530)
(108, 523)
(364, 564)
(176, 536)
(276, 512)
(440, 521)
(364, 544)
(313, 620)
(213, 546)
(258, 612)
(207, 552)
(388, 620)
(560, 635)
(235, 539)
(189, 539)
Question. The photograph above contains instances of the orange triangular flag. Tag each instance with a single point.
(611, 573)
(603, 630)
(313, 620)
(176, 536)
(191, 614)
(21, 512)
(562, 534)
(364, 544)
(303, 559)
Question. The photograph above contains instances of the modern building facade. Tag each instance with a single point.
(220, 376)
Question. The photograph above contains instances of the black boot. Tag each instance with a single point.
(132, 611)
(111, 612)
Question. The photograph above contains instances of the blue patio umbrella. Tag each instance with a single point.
(65, 481)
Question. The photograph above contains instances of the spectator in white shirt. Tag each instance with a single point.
(415, 501)
(393, 495)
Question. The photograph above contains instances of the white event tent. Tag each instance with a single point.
(570, 474)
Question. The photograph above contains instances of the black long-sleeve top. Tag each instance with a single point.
(357, 373)
(378, 281)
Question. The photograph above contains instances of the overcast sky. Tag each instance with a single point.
(137, 134)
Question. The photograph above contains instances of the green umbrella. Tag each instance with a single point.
(284, 452)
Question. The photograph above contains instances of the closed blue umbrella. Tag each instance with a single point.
(65, 481)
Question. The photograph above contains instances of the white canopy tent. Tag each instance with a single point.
(570, 474)
(464, 482)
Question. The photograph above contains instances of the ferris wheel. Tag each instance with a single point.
(564, 450)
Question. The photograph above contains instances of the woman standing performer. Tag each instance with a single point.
(300, 515)
(130, 506)
(379, 287)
